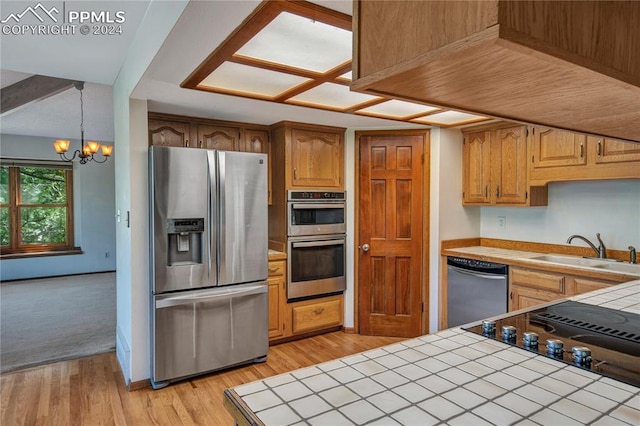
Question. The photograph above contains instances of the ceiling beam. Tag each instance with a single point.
(30, 90)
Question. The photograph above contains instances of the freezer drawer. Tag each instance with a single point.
(205, 330)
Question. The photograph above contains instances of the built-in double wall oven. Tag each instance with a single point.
(316, 230)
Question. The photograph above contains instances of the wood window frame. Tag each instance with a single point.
(16, 247)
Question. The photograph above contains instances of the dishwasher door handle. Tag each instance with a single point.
(477, 274)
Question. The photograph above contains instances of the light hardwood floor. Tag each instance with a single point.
(91, 391)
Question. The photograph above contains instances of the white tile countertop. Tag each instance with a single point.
(452, 377)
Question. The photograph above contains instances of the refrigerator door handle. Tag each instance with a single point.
(209, 297)
(212, 217)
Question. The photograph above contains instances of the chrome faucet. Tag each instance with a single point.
(632, 255)
(601, 250)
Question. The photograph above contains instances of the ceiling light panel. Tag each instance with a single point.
(398, 109)
(300, 42)
(448, 118)
(332, 95)
(250, 80)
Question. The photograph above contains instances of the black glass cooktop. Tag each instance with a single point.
(602, 340)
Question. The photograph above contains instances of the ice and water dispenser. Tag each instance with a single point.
(185, 241)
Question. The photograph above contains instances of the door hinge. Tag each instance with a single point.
(526, 195)
(422, 306)
(511, 295)
(422, 158)
(526, 132)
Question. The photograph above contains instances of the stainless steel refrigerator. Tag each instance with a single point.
(208, 230)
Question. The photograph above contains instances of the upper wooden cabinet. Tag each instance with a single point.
(559, 155)
(255, 141)
(476, 158)
(218, 137)
(509, 166)
(313, 155)
(614, 151)
(553, 148)
(169, 133)
(495, 168)
(529, 61)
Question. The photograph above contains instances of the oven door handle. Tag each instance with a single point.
(309, 206)
(316, 243)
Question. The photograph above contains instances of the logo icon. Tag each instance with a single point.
(38, 11)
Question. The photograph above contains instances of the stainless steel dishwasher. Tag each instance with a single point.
(475, 290)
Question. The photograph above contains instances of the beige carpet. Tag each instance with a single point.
(53, 319)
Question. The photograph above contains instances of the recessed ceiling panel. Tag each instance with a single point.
(448, 118)
(398, 109)
(245, 79)
(332, 95)
(300, 42)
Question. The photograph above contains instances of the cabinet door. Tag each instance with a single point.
(553, 148)
(476, 159)
(258, 141)
(509, 166)
(277, 298)
(614, 151)
(317, 159)
(520, 298)
(584, 285)
(169, 133)
(255, 141)
(276, 317)
(217, 137)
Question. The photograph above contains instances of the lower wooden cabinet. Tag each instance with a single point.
(531, 287)
(277, 297)
(316, 314)
(289, 320)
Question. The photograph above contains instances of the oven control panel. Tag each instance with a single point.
(316, 195)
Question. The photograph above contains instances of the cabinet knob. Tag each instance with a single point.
(318, 311)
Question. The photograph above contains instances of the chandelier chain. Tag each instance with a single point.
(81, 113)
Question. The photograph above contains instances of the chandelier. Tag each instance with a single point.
(88, 150)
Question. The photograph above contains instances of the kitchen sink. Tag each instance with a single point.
(606, 264)
(621, 267)
(571, 260)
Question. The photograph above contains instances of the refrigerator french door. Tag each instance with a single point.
(208, 221)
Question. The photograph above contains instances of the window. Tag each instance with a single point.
(36, 206)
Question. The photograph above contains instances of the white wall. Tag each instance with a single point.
(94, 222)
(349, 184)
(130, 128)
(611, 208)
(448, 218)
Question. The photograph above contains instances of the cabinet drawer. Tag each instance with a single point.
(583, 285)
(318, 315)
(536, 279)
(277, 268)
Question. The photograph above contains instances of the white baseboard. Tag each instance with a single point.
(123, 354)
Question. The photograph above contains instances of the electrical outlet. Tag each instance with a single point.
(502, 222)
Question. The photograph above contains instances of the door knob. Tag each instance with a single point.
(365, 247)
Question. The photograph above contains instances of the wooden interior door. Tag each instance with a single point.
(391, 224)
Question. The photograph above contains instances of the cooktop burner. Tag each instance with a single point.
(598, 339)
